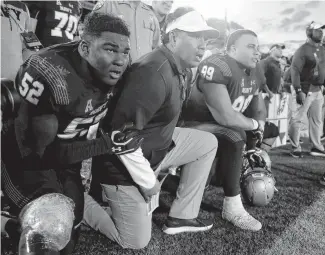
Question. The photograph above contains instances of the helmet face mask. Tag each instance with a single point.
(267, 159)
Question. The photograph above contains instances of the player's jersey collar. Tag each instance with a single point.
(240, 65)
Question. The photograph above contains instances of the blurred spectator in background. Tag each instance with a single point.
(216, 45)
(15, 19)
(142, 22)
(162, 9)
(308, 75)
(57, 21)
(271, 67)
(285, 63)
(264, 55)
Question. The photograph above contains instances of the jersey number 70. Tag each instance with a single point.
(70, 21)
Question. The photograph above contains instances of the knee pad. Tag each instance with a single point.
(47, 220)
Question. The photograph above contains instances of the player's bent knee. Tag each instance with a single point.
(50, 216)
(209, 140)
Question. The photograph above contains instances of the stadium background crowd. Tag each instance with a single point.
(147, 24)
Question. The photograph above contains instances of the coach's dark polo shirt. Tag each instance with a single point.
(272, 72)
(304, 68)
(152, 99)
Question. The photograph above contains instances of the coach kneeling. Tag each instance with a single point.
(152, 99)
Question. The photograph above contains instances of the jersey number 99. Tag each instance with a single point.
(241, 103)
(207, 72)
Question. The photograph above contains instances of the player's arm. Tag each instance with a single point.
(257, 109)
(297, 65)
(221, 108)
(36, 123)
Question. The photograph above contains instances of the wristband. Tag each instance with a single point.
(298, 90)
(255, 124)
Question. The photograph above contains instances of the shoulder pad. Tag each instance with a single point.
(215, 69)
(40, 69)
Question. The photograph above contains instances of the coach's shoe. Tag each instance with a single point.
(175, 226)
(234, 212)
(317, 153)
(296, 154)
(322, 180)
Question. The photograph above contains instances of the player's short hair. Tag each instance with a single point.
(236, 35)
(179, 12)
(96, 23)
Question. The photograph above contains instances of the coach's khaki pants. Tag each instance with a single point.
(313, 108)
(129, 225)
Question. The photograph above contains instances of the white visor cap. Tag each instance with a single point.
(193, 22)
(315, 25)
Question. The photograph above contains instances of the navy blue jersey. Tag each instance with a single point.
(52, 82)
(57, 21)
(222, 69)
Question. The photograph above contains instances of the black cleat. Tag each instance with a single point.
(175, 226)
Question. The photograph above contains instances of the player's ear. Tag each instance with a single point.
(232, 48)
(84, 48)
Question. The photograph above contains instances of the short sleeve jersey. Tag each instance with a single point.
(241, 85)
(57, 21)
(53, 82)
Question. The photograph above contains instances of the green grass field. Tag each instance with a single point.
(292, 223)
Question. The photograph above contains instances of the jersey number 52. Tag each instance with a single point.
(30, 90)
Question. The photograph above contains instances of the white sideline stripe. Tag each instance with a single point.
(306, 235)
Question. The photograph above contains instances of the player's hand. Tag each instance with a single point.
(254, 159)
(301, 97)
(258, 133)
(270, 95)
(125, 140)
(148, 193)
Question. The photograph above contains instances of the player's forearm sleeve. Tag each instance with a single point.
(77, 151)
(139, 168)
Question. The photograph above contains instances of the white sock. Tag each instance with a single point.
(233, 205)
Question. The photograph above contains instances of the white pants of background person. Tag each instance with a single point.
(128, 223)
(292, 106)
(323, 113)
(313, 108)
